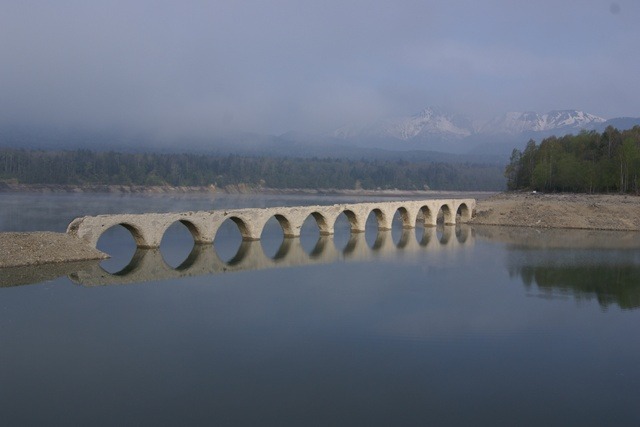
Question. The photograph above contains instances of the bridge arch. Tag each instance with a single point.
(177, 241)
(448, 217)
(287, 229)
(276, 231)
(427, 215)
(463, 212)
(245, 230)
(120, 243)
(405, 217)
(322, 223)
(138, 234)
(196, 233)
(353, 219)
(380, 218)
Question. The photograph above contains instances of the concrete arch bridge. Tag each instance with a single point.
(148, 229)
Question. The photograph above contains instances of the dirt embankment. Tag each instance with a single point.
(581, 211)
(23, 249)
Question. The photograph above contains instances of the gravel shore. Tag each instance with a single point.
(578, 211)
(23, 249)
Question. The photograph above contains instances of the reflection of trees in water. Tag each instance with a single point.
(610, 284)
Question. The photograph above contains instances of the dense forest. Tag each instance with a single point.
(589, 162)
(84, 167)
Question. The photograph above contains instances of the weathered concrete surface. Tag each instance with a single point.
(20, 249)
(148, 229)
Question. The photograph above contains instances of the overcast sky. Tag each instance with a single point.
(310, 66)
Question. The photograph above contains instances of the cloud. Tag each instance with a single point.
(206, 67)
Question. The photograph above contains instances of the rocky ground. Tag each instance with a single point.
(579, 211)
(24, 249)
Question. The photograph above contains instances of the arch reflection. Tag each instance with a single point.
(149, 265)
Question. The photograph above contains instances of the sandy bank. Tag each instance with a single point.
(579, 211)
(24, 249)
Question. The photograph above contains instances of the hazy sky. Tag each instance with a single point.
(272, 66)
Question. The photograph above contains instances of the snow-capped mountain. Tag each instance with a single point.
(430, 122)
(438, 130)
(564, 120)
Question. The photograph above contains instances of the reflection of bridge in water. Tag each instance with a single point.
(149, 265)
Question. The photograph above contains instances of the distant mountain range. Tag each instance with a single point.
(432, 134)
(439, 130)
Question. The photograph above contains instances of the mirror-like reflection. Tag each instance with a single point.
(176, 254)
(29, 274)
(309, 235)
(148, 264)
(118, 242)
(228, 240)
(609, 284)
(583, 264)
(550, 263)
(272, 238)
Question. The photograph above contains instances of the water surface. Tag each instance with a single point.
(448, 326)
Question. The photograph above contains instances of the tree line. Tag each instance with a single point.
(589, 162)
(86, 167)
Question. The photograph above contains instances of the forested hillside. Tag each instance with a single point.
(589, 162)
(83, 167)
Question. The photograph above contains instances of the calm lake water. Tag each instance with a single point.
(452, 326)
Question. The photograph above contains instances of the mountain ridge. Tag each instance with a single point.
(431, 133)
(441, 130)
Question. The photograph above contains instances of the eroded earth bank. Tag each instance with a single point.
(579, 211)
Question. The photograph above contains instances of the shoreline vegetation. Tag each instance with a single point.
(588, 162)
(99, 168)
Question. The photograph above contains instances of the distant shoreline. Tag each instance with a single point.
(213, 190)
